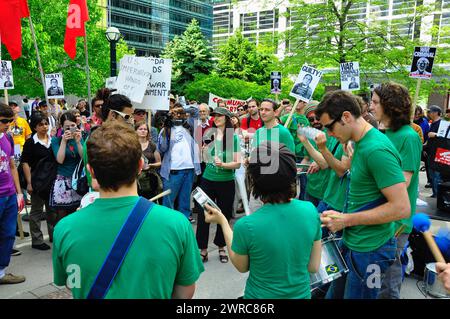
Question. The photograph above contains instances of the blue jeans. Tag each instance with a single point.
(8, 223)
(180, 182)
(321, 207)
(435, 180)
(303, 180)
(366, 272)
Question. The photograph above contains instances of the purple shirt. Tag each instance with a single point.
(7, 187)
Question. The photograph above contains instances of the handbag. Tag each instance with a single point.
(119, 249)
(79, 179)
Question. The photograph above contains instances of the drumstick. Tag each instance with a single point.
(167, 192)
(333, 217)
(422, 223)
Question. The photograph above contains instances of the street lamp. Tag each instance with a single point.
(113, 35)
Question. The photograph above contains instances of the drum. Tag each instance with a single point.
(432, 285)
(332, 265)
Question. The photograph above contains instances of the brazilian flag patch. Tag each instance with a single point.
(332, 269)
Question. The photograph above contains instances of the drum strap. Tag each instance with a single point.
(119, 249)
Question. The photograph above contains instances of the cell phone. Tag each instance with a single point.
(73, 130)
(201, 198)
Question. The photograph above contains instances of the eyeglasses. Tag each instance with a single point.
(6, 121)
(329, 127)
(126, 117)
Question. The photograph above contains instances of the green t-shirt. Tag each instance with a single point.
(278, 134)
(318, 182)
(408, 144)
(295, 121)
(278, 240)
(376, 164)
(220, 174)
(164, 252)
(71, 159)
(335, 193)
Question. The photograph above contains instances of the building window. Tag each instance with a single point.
(400, 7)
(249, 21)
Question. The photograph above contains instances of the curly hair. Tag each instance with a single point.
(396, 104)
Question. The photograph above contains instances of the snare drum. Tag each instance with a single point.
(332, 264)
(433, 286)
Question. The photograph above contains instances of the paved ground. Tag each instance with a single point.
(219, 280)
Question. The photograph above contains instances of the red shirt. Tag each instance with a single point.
(254, 124)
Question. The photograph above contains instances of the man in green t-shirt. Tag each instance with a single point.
(377, 196)
(392, 107)
(271, 131)
(162, 261)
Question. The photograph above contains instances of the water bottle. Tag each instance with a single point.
(308, 131)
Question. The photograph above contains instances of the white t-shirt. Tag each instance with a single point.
(181, 151)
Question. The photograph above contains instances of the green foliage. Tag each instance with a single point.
(190, 55)
(241, 59)
(325, 35)
(200, 88)
(49, 20)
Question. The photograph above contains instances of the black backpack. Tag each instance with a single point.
(43, 176)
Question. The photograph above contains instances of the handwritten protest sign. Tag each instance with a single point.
(232, 104)
(133, 77)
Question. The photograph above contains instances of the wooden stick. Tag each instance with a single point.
(41, 70)
(416, 95)
(288, 121)
(167, 192)
(399, 230)
(6, 97)
(433, 247)
(88, 77)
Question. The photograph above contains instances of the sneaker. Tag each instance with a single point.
(42, 246)
(15, 252)
(25, 234)
(10, 279)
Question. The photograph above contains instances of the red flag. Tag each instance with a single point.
(77, 16)
(11, 13)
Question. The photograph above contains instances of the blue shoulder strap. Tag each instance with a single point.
(119, 249)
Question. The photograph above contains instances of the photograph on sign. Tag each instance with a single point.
(54, 85)
(306, 83)
(111, 83)
(6, 75)
(422, 63)
(157, 93)
(134, 74)
(350, 76)
(275, 82)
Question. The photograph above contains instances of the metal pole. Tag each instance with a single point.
(87, 74)
(41, 70)
(113, 58)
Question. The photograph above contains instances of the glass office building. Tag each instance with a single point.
(147, 25)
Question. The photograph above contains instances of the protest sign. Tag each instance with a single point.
(157, 91)
(306, 83)
(232, 104)
(442, 130)
(134, 74)
(275, 82)
(350, 76)
(6, 75)
(54, 85)
(422, 63)
(111, 83)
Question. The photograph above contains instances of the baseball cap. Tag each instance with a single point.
(222, 111)
(435, 108)
(172, 97)
(13, 103)
(311, 106)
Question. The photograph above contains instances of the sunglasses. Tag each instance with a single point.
(98, 105)
(126, 117)
(329, 127)
(6, 121)
(313, 118)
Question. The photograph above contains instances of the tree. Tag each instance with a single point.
(190, 54)
(241, 59)
(49, 20)
(326, 33)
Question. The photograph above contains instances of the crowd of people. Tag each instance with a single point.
(355, 180)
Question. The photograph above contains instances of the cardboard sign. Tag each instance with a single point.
(350, 76)
(54, 85)
(275, 82)
(442, 130)
(442, 156)
(157, 92)
(110, 83)
(422, 63)
(306, 83)
(232, 104)
(6, 75)
(133, 77)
